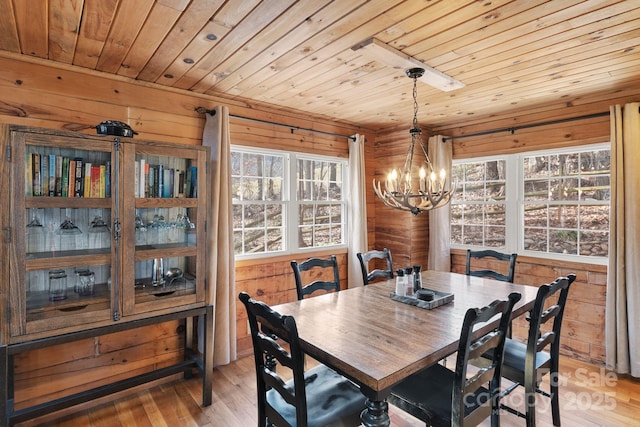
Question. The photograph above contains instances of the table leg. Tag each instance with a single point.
(376, 414)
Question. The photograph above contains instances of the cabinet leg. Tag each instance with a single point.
(4, 385)
(188, 343)
(207, 375)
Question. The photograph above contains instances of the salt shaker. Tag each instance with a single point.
(400, 283)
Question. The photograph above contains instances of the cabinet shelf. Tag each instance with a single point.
(170, 202)
(165, 250)
(39, 307)
(66, 259)
(67, 202)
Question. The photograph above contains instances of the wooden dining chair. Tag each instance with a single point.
(318, 397)
(376, 273)
(526, 364)
(441, 397)
(496, 258)
(316, 267)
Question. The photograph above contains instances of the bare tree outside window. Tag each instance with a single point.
(261, 201)
(562, 202)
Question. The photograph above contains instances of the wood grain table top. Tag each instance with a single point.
(377, 342)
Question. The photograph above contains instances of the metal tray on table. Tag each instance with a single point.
(440, 298)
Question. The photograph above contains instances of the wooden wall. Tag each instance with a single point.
(583, 325)
(35, 93)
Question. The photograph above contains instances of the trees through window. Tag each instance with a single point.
(554, 202)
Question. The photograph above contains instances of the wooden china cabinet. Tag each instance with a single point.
(100, 234)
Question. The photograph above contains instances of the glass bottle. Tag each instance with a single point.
(408, 277)
(417, 278)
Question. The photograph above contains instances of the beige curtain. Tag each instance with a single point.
(440, 154)
(623, 281)
(357, 206)
(221, 275)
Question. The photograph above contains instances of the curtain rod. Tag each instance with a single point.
(203, 110)
(515, 128)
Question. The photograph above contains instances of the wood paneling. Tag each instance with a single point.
(297, 54)
(583, 325)
(271, 280)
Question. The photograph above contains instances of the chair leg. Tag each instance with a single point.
(530, 402)
(555, 399)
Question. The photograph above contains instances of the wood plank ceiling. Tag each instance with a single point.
(510, 54)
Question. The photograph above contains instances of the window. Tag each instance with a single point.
(285, 202)
(553, 202)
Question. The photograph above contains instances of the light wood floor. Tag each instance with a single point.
(589, 397)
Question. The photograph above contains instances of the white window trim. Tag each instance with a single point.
(290, 211)
(514, 211)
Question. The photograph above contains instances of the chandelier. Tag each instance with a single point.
(416, 189)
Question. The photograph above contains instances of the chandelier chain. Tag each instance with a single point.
(415, 193)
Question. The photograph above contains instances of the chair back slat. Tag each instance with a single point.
(545, 340)
(484, 344)
(549, 314)
(510, 260)
(376, 273)
(320, 264)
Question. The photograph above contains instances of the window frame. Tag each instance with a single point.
(291, 204)
(515, 202)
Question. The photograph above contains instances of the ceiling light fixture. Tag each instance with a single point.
(432, 191)
(384, 53)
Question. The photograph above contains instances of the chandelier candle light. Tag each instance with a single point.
(433, 189)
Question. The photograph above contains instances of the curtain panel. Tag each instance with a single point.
(221, 273)
(622, 323)
(441, 155)
(357, 206)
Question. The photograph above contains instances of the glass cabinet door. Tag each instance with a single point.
(164, 224)
(66, 222)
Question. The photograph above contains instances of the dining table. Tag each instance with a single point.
(376, 341)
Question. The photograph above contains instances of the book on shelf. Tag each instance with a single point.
(103, 181)
(78, 177)
(160, 181)
(58, 176)
(64, 192)
(151, 182)
(72, 178)
(94, 181)
(52, 175)
(87, 179)
(141, 178)
(107, 179)
(146, 180)
(193, 184)
(167, 185)
(37, 182)
(176, 183)
(44, 174)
